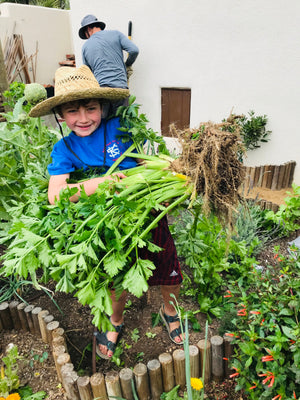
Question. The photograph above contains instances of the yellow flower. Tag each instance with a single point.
(2, 376)
(13, 396)
(196, 383)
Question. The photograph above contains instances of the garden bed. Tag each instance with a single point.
(141, 342)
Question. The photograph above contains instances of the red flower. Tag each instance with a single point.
(242, 312)
(235, 374)
(277, 397)
(267, 358)
(269, 377)
(253, 387)
(255, 312)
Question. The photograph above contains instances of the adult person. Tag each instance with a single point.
(103, 54)
(78, 100)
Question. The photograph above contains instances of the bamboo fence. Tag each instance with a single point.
(19, 66)
(146, 381)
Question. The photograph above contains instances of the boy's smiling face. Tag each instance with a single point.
(83, 118)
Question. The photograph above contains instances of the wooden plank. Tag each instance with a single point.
(275, 178)
(280, 176)
(291, 179)
(270, 176)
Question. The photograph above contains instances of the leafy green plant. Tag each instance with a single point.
(254, 130)
(9, 372)
(9, 380)
(212, 257)
(267, 333)
(37, 357)
(135, 335)
(288, 215)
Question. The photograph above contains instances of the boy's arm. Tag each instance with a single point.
(59, 182)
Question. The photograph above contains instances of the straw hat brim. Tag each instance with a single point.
(46, 106)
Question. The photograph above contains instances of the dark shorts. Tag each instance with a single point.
(167, 270)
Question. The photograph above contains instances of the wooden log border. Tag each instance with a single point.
(274, 177)
(150, 381)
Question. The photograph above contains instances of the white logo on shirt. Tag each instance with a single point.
(113, 150)
(173, 273)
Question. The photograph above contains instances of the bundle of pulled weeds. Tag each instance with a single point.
(210, 156)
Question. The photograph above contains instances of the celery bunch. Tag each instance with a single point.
(89, 246)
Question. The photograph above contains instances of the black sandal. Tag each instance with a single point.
(101, 338)
(167, 319)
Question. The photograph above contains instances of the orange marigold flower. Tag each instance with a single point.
(2, 398)
(13, 396)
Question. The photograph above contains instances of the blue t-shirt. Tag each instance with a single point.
(90, 150)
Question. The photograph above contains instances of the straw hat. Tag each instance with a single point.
(89, 20)
(75, 84)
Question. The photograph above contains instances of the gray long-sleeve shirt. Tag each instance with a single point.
(103, 54)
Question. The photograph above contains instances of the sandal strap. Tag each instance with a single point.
(171, 318)
(101, 338)
(176, 332)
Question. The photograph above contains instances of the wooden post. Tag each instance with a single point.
(141, 381)
(14, 314)
(270, 176)
(166, 362)
(252, 175)
(280, 176)
(98, 386)
(126, 377)
(275, 178)
(228, 351)
(44, 321)
(207, 366)
(22, 316)
(260, 175)
(56, 352)
(62, 359)
(156, 385)
(35, 319)
(256, 176)
(285, 180)
(291, 177)
(58, 335)
(27, 310)
(217, 354)
(179, 367)
(41, 315)
(266, 173)
(84, 387)
(5, 317)
(113, 386)
(49, 329)
(194, 361)
(69, 382)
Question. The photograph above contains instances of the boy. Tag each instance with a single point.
(94, 143)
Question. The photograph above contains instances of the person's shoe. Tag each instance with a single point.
(167, 319)
(101, 338)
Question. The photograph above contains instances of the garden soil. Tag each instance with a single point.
(147, 343)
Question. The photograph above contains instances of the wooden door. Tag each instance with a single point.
(175, 108)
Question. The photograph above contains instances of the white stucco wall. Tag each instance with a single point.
(233, 54)
(46, 28)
